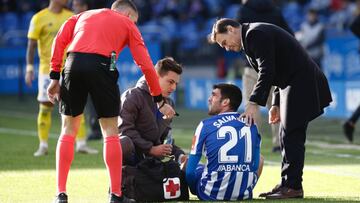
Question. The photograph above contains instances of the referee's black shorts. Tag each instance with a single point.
(85, 74)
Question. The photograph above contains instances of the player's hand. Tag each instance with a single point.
(274, 115)
(249, 115)
(167, 111)
(161, 150)
(53, 91)
(29, 77)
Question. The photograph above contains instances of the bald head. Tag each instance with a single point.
(126, 7)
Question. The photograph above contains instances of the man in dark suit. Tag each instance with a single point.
(301, 93)
(260, 11)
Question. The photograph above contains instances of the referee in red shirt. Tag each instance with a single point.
(91, 38)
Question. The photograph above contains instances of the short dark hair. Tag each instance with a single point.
(220, 27)
(120, 3)
(231, 92)
(168, 64)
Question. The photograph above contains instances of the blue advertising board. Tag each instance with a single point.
(341, 60)
(352, 95)
(12, 69)
(337, 106)
(198, 90)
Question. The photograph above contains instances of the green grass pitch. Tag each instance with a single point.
(331, 174)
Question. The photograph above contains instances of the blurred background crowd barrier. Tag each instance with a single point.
(179, 28)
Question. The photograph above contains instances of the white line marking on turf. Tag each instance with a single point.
(320, 169)
(23, 132)
(325, 145)
(338, 155)
(18, 114)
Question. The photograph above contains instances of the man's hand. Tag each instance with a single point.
(249, 114)
(183, 162)
(274, 115)
(53, 91)
(166, 110)
(161, 150)
(29, 77)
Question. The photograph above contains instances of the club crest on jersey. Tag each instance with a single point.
(171, 188)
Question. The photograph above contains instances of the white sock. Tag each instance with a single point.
(80, 143)
(43, 144)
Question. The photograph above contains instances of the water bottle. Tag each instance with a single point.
(113, 61)
(169, 139)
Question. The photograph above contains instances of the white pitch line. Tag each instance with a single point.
(338, 155)
(24, 132)
(18, 114)
(320, 169)
(325, 145)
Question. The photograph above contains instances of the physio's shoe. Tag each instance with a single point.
(42, 151)
(86, 150)
(122, 199)
(61, 198)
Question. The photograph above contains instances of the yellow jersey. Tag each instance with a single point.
(44, 26)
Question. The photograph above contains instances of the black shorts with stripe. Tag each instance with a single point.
(85, 74)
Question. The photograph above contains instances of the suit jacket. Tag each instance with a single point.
(280, 61)
(141, 121)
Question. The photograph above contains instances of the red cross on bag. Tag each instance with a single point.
(171, 188)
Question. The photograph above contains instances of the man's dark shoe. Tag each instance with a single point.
(286, 193)
(274, 190)
(122, 199)
(61, 198)
(348, 130)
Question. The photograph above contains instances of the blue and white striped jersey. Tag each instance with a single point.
(232, 151)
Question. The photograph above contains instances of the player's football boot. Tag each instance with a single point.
(42, 151)
(84, 149)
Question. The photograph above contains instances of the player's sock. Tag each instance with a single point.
(64, 157)
(43, 144)
(81, 135)
(113, 161)
(44, 122)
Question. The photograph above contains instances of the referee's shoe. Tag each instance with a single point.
(61, 198)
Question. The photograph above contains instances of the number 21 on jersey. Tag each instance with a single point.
(235, 137)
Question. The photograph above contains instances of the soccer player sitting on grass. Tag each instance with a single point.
(231, 148)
